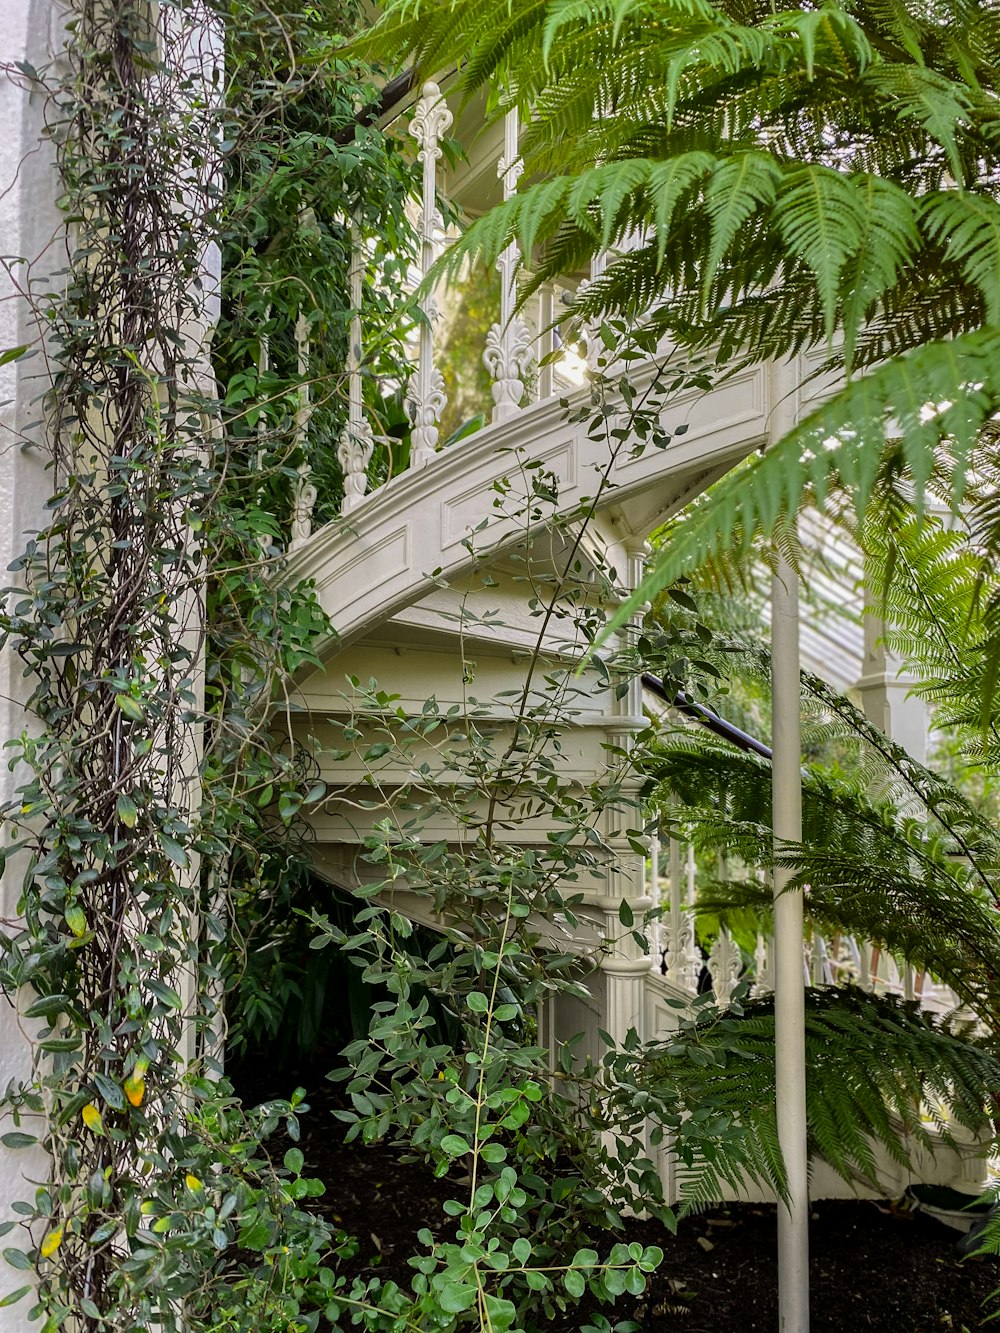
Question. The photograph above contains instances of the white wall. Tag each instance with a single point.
(30, 229)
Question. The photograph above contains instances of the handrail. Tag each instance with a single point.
(711, 721)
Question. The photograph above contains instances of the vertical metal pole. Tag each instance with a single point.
(789, 988)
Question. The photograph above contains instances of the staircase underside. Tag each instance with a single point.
(426, 583)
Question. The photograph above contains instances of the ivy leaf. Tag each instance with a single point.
(574, 1282)
(288, 804)
(91, 1117)
(48, 1006)
(51, 1243)
(454, 1297)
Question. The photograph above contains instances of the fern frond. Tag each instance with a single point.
(870, 1063)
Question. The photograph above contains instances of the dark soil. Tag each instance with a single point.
(873, 1265)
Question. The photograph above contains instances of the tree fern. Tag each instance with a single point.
(797, 173)
(871, 1064)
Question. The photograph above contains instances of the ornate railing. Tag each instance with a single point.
(826, 961)
(516, 352)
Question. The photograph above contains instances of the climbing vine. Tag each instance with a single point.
(148, 618)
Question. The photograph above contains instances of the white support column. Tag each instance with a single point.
(653, 894)
(789, 988)
(509, 353)
(626, 964)
(425, 395)
(885, 694)
(29, 215)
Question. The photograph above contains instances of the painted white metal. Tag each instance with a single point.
(680, 952)
(885, 693)
(357, 442)
(789, 987)
(510, 352)
(725, 963)
(424, 520)
(28, 218)
(425, 394)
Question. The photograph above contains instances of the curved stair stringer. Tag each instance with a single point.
(430, 525)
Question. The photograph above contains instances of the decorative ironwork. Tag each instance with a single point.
(510, 353)
(425, 394)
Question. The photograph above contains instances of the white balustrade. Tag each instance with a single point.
(510, 352)
(546, 342)
(725, 963)
(356, 442)
(425, 392)
(763, 966)
(681, 959)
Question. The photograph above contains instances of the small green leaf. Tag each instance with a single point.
(454, 1297)
(15, 1139)
(477, 1002)
(174, 851)
(575, 1283)
(76, 919)
(454, 1145)
(294, 1160)
(132, 708)
(110, 1091)
(47, 1006)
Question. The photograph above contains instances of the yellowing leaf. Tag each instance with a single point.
(92, 1118)
(192, 1182)
(51, 1242)
(76, 919)
(127, 811)
(135, 1089)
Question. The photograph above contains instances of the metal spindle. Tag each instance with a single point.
(425, 393)
(356, 442)
(509, 353)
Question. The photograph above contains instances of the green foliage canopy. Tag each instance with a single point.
(797, 178)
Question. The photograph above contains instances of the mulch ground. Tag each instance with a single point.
(873, 1265)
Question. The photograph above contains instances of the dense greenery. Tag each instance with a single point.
(161, 811)
(155, 635)
(800, 178)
